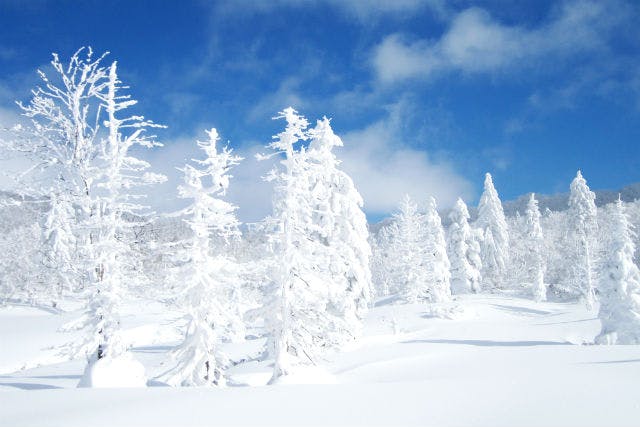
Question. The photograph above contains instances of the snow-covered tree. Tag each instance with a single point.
(321, 279)
(340, 225)
(619, 285)
(290, 209)
(294, 311)
(534, 259)
(436, 260)
(114, 173)
(59, 247)
(95, 176)
(60, 145)
(380, 272)
(464, 251)
(406, 253)
(554, 226)
(580, 242)
(495, 245)
(323, 236)
(207, 280)
(22, 278)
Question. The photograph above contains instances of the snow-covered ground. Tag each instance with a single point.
(502, 360)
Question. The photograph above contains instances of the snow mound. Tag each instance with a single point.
(307, 375)
(110, 372)
(448, 311)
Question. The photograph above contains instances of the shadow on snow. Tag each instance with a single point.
(487, 343)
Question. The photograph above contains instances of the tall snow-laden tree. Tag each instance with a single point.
(320, 275)
(436, 260)
(495, 249)
(207, 280)
(115, 173)
(294, 310)
(534, 260)
(112, 177)
(407, 253)
(60, 145)
(290, 209)
(80, 147)
(464, 251)
(619, 285)
(580, 239)
(340, 225)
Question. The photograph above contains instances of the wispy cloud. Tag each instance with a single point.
(384, 167)
(288, 93)
(475, 43)
(364, 11)
(382, 164)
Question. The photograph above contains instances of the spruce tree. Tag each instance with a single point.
(464, 252)
(495, 245)
(619, 285)
(436, 261)
(534, 258)
(340, 225)
(320, 274)
(208, 280)
(580, 247)
(407, 253)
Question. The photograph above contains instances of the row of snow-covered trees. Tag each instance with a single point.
(474, 256)
(567, 253)
(79, 232)
(575, 253)
(90, 239)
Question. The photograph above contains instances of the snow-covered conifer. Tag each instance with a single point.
(290, 206)
(321, 276)
(321, 286)
(379, 262)
(59, 247)
(115, 174)
(207, 280)
(110, 176)
(21, 277)
(619, 285)
(580, 239)
(436, 260)
(534, 260)
(495, 247)
(464, 251)
(340, 225)
(407, 253)
(294, 310)
(60, 143)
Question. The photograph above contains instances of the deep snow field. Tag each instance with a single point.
(502, 361)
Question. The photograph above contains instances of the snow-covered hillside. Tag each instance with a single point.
(501, 360)
(305, 317)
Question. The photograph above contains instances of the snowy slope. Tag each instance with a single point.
(503, 360)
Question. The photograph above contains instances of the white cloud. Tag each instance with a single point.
(384, 168)
(286, 95)
(368, 9)
(363, 10)
(396, 60)
(477, 43)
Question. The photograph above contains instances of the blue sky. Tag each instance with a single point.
(427, 94)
